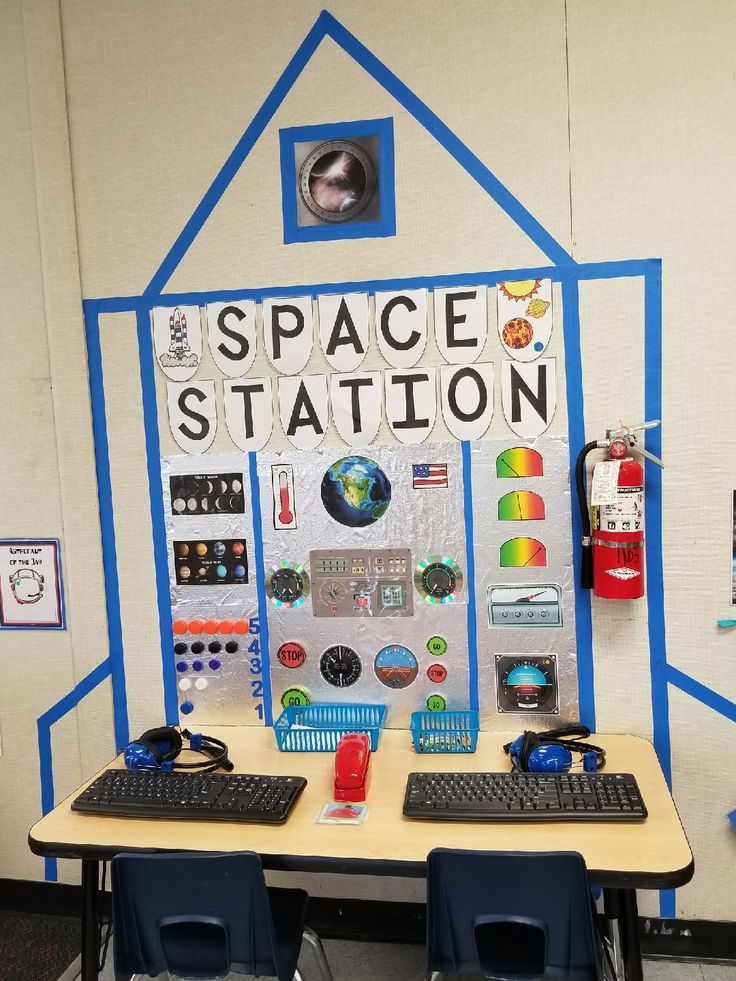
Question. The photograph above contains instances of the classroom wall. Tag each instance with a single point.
(608, 123)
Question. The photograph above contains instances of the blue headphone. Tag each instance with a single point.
(158, 749)
(551, 751)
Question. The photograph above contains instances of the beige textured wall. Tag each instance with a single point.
(609, 122)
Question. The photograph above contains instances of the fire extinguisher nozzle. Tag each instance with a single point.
(586, 565)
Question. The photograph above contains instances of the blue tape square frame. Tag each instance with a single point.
(383, 226)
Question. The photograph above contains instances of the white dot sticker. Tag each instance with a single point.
(185, 684)
(200, 684)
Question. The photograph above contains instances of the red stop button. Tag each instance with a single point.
(291, 655)
(437, 673)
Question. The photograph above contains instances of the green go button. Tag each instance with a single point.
(436, 703)
(437, 645)
(295, 696)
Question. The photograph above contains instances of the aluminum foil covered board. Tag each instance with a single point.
(363, 584)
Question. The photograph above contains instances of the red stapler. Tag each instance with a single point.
(353, 767)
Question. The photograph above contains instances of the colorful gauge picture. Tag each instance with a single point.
(438, 579)
(519, 461)
(521, 505)
(521, 553)
(395, 666)
(527, 683)
(287, 584)
(340, 666)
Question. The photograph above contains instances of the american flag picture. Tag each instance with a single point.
(429, 475)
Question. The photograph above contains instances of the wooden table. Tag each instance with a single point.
(621, 857)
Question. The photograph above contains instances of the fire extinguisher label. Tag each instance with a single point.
(626, 513)
(623, 573)
(605, 482)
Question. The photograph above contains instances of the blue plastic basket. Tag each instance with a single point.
(319, 728)
(444, 732)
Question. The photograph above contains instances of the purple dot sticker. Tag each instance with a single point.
(214, 664)
(181, 666)
(197, 665)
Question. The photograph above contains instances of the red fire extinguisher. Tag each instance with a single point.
(613, 548)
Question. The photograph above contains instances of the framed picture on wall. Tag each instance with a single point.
(337, 181)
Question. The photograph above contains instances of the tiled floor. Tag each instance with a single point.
(399, 962)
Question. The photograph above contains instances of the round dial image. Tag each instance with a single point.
(527, 684)
(331, 593)
(337, 181)
(438, 579)
(287, 584)
(395, 666)
(340, 666)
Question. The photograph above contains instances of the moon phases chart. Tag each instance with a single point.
(370, 595)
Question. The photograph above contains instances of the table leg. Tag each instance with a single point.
(90, 908)
(628, 919)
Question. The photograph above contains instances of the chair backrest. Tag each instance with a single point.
(196, 914)
(511, 915)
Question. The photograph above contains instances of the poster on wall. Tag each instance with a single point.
(31, 592)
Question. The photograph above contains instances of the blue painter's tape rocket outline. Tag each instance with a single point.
(563, 269)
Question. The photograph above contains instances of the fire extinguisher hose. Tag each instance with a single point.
(586, 557)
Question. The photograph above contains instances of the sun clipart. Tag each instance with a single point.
(521, 289)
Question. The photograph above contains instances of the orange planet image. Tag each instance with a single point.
(517, 333)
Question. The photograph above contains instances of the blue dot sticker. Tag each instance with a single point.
(181, 666)
(197, 665)
(214, 664)
(538, 346)
(187, 707)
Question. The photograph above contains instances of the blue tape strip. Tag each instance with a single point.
(158, 522)
(653, 542)
(576, 429)
(701, 692)
(107, 526)
(255, 502)
(470, 559)
(446, 138)
(667, 909)
(625, 269)
(45, 759)
(241, 150)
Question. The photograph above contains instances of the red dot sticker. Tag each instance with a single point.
(226, 626)
(437, 673)
(211, 626)
(291, 655)
(180, 626)
(195, 626)
(241, 626)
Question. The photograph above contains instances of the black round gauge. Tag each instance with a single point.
(438, 580)
(340, 666)
(286, 585)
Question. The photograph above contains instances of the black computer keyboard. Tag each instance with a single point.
(201, 796)
(524, 797)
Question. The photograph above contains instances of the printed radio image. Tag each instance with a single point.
(337, 180)
(527, 683)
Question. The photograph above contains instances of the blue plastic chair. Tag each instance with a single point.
(203, 915)
(511, 916)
